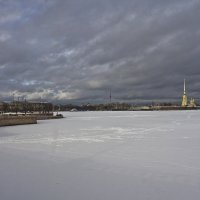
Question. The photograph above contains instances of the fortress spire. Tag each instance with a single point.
(184, 88)
(184, 98)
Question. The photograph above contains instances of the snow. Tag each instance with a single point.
(103, 156)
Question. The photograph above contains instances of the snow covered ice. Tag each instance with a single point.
(103, 156)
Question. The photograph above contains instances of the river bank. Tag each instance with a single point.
(21, 119)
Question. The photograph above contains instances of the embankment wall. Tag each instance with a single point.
(17, 120)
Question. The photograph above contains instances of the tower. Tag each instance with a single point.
(184, 98)
(192, 103)
(110, 95)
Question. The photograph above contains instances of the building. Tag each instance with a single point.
(192, 103)
(185, 103)
(184, 97)
(26, 107)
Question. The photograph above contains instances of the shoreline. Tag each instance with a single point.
(17, 120)
(14, 120)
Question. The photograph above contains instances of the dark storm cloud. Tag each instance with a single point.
(64, 49)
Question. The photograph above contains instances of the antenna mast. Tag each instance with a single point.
(110, 96)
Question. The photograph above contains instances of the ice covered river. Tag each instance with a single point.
(103, 156)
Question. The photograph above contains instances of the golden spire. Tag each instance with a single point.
(184, 98)
(184, 88)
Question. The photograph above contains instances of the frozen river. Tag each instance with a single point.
(103, 156)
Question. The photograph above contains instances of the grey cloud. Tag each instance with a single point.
(80, 49)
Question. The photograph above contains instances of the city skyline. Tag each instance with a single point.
(78, 51)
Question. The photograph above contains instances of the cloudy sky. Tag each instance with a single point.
(76, 50)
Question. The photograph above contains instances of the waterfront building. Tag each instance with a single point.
(192, 103)
(184, 97)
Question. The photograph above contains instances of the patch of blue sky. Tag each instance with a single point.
(35, 82)
(21, 11)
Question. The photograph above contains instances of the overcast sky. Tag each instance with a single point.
(77, 50)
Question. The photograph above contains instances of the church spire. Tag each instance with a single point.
(184, 88)
(184, 98)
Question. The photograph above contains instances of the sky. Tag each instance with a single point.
(79, 50)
